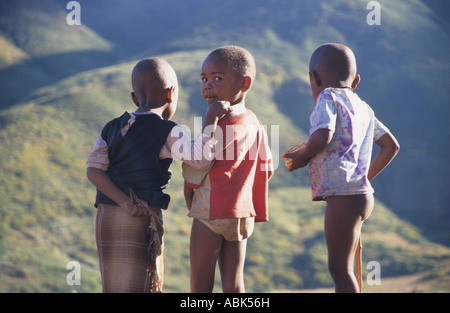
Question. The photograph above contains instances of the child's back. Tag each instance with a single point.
(134, 160)
(343, 129)
(342, 167)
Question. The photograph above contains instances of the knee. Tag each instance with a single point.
(339, 272)
(235, 285)
(202, 286)
(233, 288)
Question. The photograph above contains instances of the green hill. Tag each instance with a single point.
(60, 84)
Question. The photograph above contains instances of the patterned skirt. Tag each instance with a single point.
(126, 264)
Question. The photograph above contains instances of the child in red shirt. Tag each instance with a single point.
(233, 194)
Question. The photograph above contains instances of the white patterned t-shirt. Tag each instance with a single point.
(341, 169)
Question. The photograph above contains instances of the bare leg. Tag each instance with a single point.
(231, 264)
(205, 249)
(343, 220)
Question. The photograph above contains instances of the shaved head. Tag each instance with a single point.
(240, 60)
(153, 72)
(332, 65)
(333, 62)
(155, 86)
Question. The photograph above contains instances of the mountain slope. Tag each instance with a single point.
(59, 85)
(404, 68)
(403, 63)
(47, 202)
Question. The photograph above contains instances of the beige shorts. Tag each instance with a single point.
(232, 229)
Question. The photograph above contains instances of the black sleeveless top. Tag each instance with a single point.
(134, 158)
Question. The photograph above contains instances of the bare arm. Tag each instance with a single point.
(188, 195)
(389, 147)
(316, 143)
(200, 153)
(214, 113)
(270, 174)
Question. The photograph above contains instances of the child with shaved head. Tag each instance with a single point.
(129, 165)
(342, 131)
(226, 201)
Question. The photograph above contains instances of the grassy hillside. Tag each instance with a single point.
(48, 217)
(403, 64)
(404, 68)
(59, 85)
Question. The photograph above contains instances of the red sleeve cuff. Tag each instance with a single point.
(193, 186)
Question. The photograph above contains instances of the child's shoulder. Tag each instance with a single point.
(120, 120)
(242, 118)
(332, 93)
(339, 95)
(170, 123)
(151, 118)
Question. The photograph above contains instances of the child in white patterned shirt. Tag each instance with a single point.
(343, 129)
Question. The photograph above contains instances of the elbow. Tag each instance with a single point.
(392, 149)
(389, 143)
(395, 146)
(89, 173)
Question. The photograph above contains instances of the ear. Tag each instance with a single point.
(246, 83)
(135, 99)
(356, 81)
(314, 77)
(169, 94)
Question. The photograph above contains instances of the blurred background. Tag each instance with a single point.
(60, 83)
